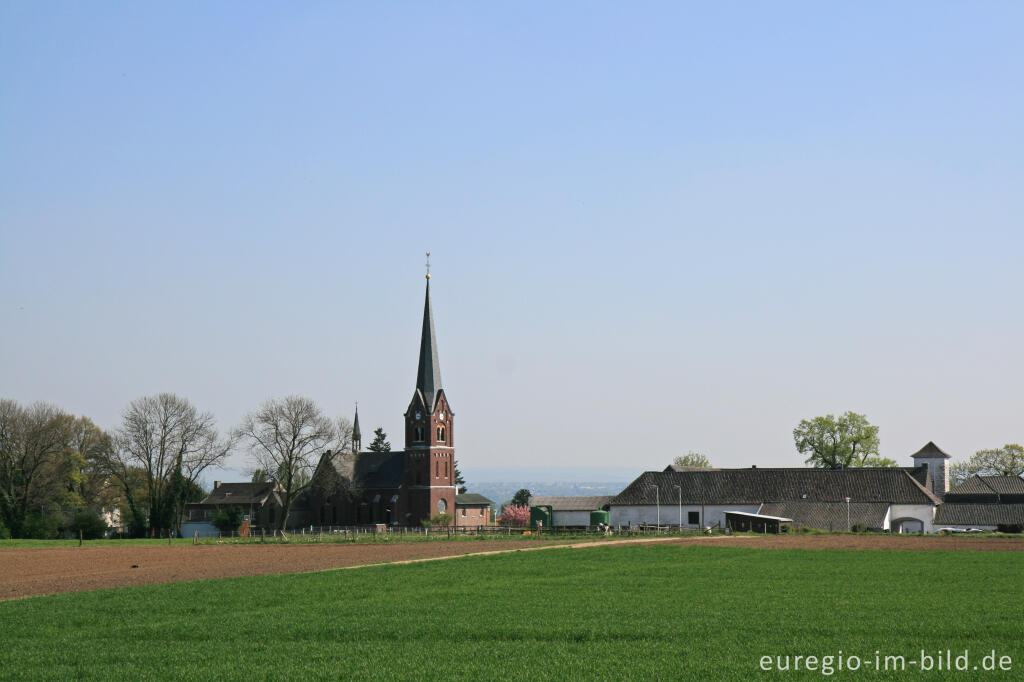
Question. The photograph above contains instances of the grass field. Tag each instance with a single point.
(639, 612)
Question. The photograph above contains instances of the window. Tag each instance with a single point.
(446, 470)
(694, 518)
(463, 511)
(437, 469)
(418, 434)
(442, 506)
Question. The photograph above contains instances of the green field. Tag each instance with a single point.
(637, 612)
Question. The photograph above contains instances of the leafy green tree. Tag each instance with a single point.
(1005, 461)
(227, 519)
(33, 461)
(380, 441)
(845, 441)
(89, 523)
(692, 459)
(521, 498)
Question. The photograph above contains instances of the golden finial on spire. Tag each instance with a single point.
(428, 265)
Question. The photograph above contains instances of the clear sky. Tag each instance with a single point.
(654, 227)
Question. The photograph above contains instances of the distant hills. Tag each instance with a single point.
(501, 492)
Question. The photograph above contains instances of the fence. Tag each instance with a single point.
(381, 532)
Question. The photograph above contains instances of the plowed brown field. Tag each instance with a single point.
(26, 572)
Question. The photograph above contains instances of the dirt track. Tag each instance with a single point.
(26, 572)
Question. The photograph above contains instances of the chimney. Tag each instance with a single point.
(216, 484)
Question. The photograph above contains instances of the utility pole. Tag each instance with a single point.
(657, 501)
(680, 506)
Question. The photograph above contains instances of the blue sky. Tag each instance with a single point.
(654, 228)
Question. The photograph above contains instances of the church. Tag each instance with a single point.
(402, 487)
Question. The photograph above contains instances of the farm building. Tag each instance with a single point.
(260, 504)
(572, 510)
(472, 509)
(985, 502)
(899, 499)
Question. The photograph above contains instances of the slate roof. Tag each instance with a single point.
(754, 486)
(956, 514)
(428, 375)
(367, 469)
(930, 450)
(572, 503)
(472, 499)
(829, 515)
(379, 469)
(240, 493)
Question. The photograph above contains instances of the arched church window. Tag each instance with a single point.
(442, 506)
(418, 434)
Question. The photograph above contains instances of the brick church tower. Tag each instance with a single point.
(429, 434)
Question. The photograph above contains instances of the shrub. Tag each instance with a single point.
(1010, 527)
(227, 519)
(438, 520)
(859, 527)
(91, 525)
(38, 527)
(5, 532)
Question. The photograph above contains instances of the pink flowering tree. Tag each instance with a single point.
(515, 515)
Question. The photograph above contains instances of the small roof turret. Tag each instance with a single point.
(930, 451)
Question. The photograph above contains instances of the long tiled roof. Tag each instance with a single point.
(754, 486)
(956, 514)
(1005, 485)
(572, 503)
(829, 515)
(988, 489)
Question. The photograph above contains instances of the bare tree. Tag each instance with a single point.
(172, 443)
(285, 438)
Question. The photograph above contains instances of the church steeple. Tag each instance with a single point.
(428, 377)
(357, 438)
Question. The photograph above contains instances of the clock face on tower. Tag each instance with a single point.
(418, 416)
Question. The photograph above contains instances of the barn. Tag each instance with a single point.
(572, 510)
